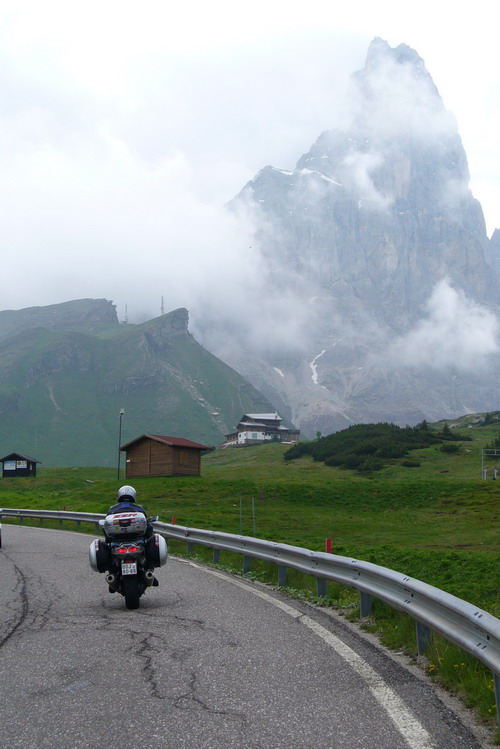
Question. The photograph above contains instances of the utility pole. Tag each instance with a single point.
(122, 411)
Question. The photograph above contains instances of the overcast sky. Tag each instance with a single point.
(125, 127)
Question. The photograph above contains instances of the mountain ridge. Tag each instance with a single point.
(62, 386)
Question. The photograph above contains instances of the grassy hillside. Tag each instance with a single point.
(61, 388)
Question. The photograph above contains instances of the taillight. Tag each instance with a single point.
(127, 549)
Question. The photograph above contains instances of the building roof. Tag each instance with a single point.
(252, 424)
(268, 417)
(171, 441)
(255, 425)
(19, 456)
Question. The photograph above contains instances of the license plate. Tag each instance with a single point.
(129, 568)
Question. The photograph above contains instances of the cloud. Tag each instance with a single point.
(456, 333)
(361, 167)
(121, 142)
(123, 134)
(395, 95)
(391, 107)
(107, 224)
(249, 304)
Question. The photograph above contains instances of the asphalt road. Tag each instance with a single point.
(208, 661)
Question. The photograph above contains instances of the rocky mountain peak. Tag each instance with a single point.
(396, 83)
(383, 206)
(380, 51)
(374, 233)
(159, 332)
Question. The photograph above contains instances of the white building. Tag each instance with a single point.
(254, 429)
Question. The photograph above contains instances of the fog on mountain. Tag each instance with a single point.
(358, 287)
(378, 291)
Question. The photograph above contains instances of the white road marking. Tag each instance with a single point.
(403, 718)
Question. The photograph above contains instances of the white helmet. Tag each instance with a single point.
(126, 492)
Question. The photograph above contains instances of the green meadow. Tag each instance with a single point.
(438, 522)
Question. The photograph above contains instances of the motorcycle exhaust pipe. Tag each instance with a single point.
(149, 577)
(111, 580)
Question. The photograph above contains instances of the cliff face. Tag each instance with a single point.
(375, 231)
(64, 381)
(384, 207)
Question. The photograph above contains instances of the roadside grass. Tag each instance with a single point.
(437, 523)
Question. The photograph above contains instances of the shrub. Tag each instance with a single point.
(391, 450)
(370, 464)
(353, 461)
(352, 447)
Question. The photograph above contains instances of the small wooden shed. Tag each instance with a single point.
(16, 464)
(156, 455)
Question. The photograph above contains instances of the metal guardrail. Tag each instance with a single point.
(472, 629)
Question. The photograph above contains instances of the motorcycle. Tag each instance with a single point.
(126, 556)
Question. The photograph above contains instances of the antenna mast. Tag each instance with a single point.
(162, 308)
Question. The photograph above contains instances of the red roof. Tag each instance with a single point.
(171, 441)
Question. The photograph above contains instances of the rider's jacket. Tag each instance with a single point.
(126, 506)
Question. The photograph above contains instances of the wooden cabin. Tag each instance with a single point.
(16, 464)
(156, 455)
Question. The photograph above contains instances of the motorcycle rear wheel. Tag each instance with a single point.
(130, 590)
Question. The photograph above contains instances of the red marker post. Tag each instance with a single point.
(328, 545)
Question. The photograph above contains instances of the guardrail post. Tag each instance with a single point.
(281, 576)
(320, 587)
(189, 547)
(41, 521)
(60, 522)
(216, 556)
(423, 637)
(78, 523)
(246, 564)
(365, 604)
(496, 681)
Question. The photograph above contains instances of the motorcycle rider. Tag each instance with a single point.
(126, 497)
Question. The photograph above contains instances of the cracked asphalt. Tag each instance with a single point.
(203, 663)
